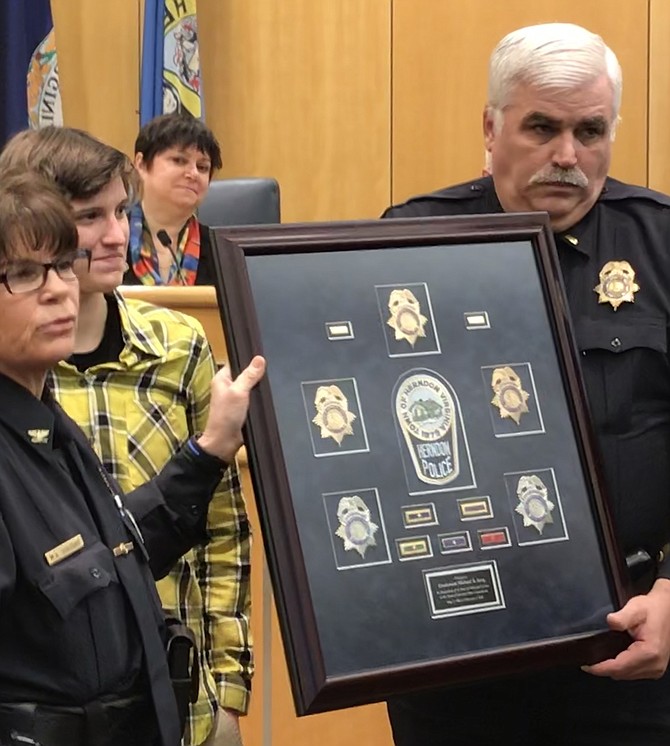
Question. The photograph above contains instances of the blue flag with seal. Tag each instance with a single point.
(170, 59)
(29, 88)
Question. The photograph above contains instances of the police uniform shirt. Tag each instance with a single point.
(75, 626)
(623, 353)
(66, 630)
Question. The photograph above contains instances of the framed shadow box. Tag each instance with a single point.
(430, 500)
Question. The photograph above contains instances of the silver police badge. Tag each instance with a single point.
(356, 529)
(534, 504)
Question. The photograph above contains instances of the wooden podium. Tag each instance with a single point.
(271, 720)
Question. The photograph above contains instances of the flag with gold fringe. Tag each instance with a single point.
(170, 59)
(29, 85)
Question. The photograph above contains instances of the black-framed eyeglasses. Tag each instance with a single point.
(24, 275)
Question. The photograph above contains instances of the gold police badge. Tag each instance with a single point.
(356, 529)
(509, 396)
(617, 284)
(406, 317)
(332, 413)
(534, 505)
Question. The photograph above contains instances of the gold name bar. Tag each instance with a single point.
(64, 550)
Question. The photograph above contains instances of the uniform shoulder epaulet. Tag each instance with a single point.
(467, 190)
(615, 191)
(422, 204)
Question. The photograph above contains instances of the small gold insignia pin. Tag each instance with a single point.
(64, 550)
(125, 547)
(617, 284)
(39, 437)
(571, 239)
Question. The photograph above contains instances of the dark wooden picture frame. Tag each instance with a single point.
(393, 572)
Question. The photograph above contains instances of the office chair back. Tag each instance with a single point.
(241, 202)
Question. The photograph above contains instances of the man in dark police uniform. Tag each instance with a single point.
(553, 104)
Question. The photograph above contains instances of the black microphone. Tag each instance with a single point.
(164, 238)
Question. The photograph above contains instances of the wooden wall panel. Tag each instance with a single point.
(440, 58)
(659, 96)
(300, 90)
(98, 63)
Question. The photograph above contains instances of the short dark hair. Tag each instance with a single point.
(78, 163)
(177, 130)
(34, 216)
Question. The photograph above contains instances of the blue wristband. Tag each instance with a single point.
(195, 447)
(197, 450)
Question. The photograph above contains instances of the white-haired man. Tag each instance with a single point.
(553, 105)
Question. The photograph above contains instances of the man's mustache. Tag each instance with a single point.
(554, 175)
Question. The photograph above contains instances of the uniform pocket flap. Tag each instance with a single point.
(620, 334)
(76, 577)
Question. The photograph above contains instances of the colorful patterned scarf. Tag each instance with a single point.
(144, 258)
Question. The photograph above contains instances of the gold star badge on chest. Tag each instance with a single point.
(617, 284)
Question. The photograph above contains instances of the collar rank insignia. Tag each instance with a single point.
(39, 437)
(617, 284)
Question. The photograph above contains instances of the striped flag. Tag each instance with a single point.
(170, 59)
(29, 87)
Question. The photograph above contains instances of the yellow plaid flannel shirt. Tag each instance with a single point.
(137, 412)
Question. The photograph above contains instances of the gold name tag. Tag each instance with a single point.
(64, 550)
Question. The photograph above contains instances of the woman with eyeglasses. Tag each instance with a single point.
(175, 156)
(82, 659)
(138, 385)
